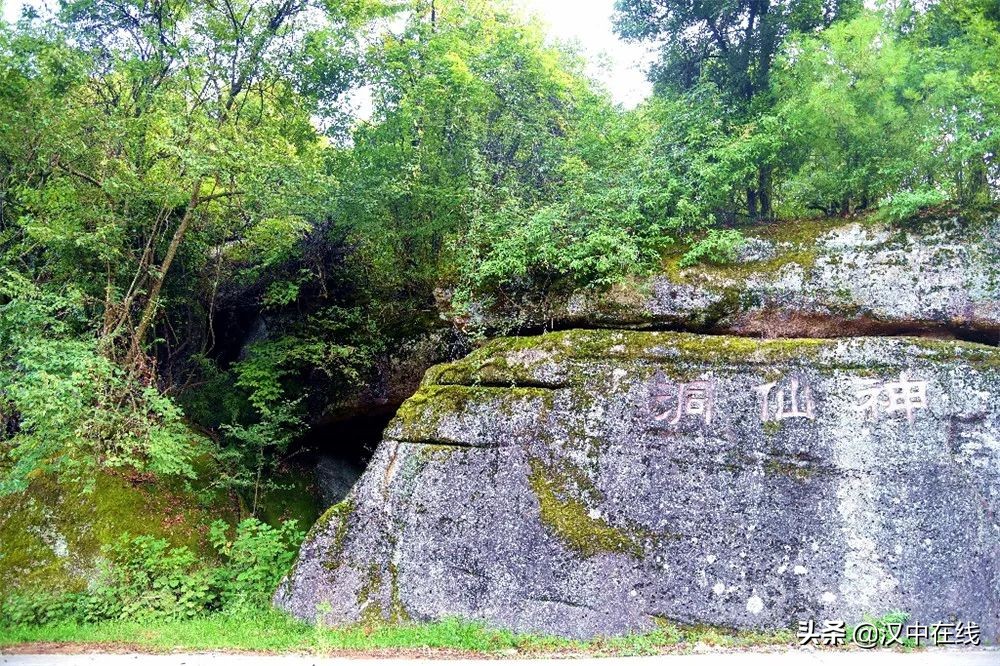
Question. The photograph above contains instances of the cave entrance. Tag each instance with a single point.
(339, 452)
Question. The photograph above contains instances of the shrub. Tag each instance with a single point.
(904, 205)
(718, 247)
(146, 578)
(154, 580)
(70, 408)
(256, 559)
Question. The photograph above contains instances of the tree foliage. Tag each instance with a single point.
(145, 146)
(203, 248)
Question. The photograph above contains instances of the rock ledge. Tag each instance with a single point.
(586, 483)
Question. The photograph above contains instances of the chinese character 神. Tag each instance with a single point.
(906, 396)
(799, 405)
(693, 399)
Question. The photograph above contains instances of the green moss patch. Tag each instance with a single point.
(292, 494)
(422, 415)
(564, 512)
(567, 348)
(339, 514)
(52, 534)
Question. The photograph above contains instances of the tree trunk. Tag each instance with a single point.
(152, 304)
(764, 192)
(977, 183)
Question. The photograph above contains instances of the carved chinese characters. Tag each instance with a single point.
(902, 396)
(799, 404)
(788, 398)
(692, 399)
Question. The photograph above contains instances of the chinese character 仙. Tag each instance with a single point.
(800, 403)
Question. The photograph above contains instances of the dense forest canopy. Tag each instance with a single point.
(171, 171)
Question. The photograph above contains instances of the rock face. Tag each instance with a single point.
(590, 482)
(52, 535)
(810, 279)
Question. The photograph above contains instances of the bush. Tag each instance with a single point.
(718, 247)
(50, 609)
(145, 578)
(256, 560)
(154, 580)
(71, 408)
(904, 205)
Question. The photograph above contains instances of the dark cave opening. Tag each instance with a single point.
(339, 451)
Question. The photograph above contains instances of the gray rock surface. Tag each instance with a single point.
(552, 484)
(807, 279)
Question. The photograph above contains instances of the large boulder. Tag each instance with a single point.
(53, 535)
(590, 482)
(805, 279)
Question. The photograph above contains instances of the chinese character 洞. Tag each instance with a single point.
(800, 403)
(693, 399)
(903, 396)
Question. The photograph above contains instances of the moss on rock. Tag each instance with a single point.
(338, 515)
(568, 517)
(52, 535)
(563, 348)
(292, 495)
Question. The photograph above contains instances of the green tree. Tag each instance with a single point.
(732, 44)
(851, 121)
(958, 42)
(894, 108)
(472, 111)
(149, 152)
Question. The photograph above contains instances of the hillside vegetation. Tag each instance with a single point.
(173, 173)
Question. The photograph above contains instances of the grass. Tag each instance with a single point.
(274, 632)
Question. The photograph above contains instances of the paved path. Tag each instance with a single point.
(791, 658)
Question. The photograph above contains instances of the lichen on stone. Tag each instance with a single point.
(368, 595)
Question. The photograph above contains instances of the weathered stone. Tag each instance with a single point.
(52, 535)
(550, 485)
(810, 279)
